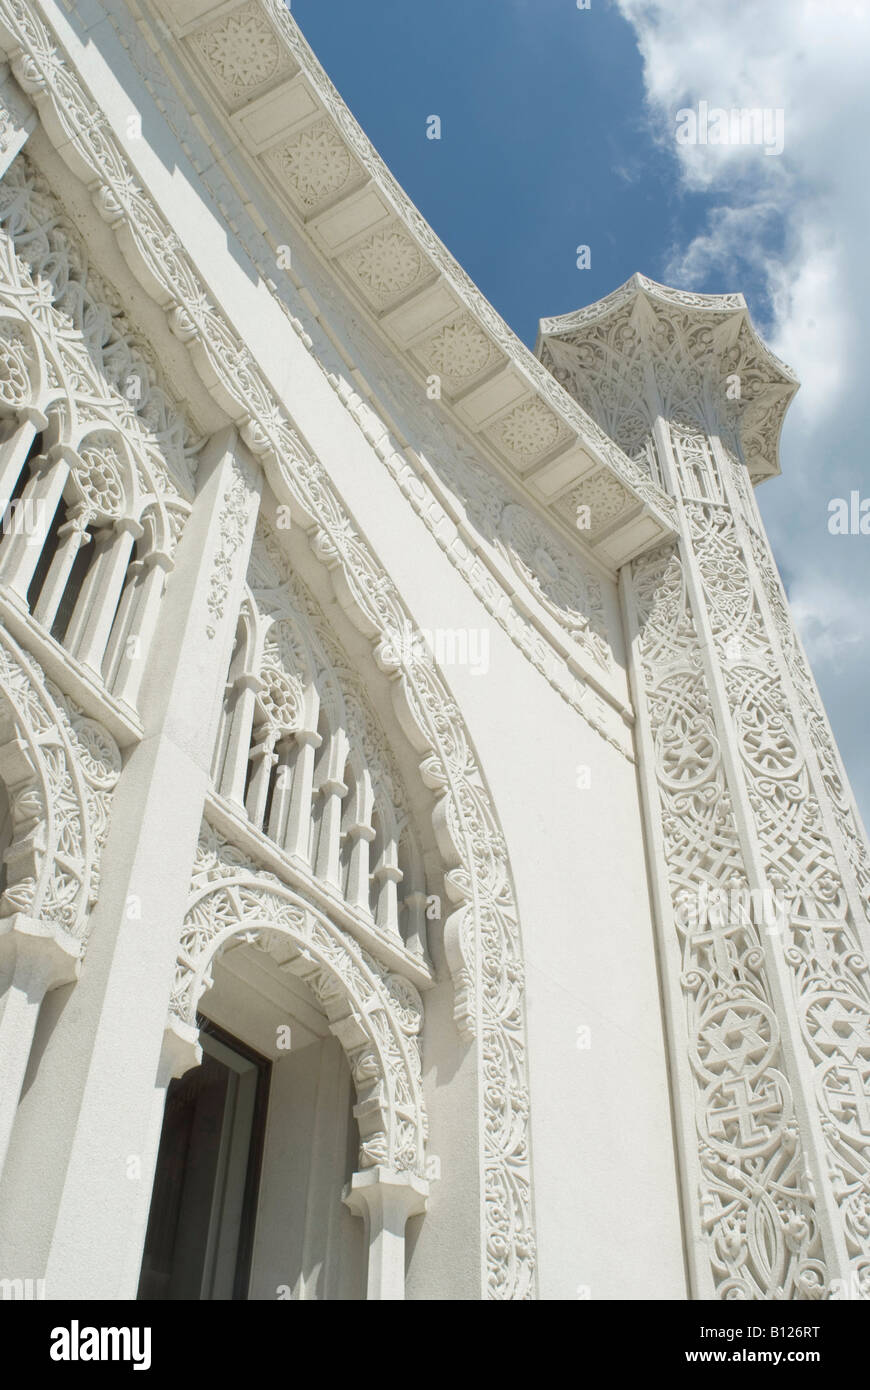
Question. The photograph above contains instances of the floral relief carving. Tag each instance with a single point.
(604, 498)
(530, 430)
(386, 266)
(458, 352)
(60, 770)
(233, 522)
(313, 164)
(241, 51)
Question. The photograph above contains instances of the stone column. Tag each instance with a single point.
(23, 429)
(72, 536)
(299, 814)
(39, 500)
(79, 1220)
(385, 1200)
(759, 863)
(241, 719)
(97, 605)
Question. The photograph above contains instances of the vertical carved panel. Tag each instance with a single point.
(751, 823)
(757, 1214)
(798, 798)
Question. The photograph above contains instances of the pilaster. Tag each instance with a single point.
(758, 862)
(80, 1224)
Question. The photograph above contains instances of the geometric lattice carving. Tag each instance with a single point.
(756, 1203)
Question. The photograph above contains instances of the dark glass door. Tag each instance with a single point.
(203, 1207)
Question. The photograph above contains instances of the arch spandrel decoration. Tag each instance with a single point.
(60, 770)
(482, 934)
(376, 1015)
(66, 348)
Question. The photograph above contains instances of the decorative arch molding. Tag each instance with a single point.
(482, 936)
(60, 770)
(376, 1015)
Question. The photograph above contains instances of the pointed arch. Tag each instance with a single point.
(376, 1015)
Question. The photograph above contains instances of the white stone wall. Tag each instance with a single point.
(589, 1075)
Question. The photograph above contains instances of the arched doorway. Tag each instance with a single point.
(258, 1144)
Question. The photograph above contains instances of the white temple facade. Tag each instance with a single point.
(428, 870)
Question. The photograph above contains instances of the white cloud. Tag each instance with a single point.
(831, 620)
(796, 224)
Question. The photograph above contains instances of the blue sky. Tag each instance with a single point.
(558, 131)
(544, 145)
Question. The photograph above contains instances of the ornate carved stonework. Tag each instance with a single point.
(376, 1015)
(459, 352)
(59, 769)
(475, 482)
(754, 1196)
(14, 112)
(68, 348)
(312, 165)
(386, 266)
(603, 503)
(483, 927)
(234, 517)
(530, 431)
(544, 384)
(241, 51)
(752, 802)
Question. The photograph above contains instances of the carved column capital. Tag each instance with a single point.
(180, 1052)
(385, 1200)
(39, 955)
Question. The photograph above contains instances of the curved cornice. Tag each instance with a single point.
(286, 118)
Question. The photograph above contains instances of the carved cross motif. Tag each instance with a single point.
(851, 1099)
(745, 1109)
(718, 937)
